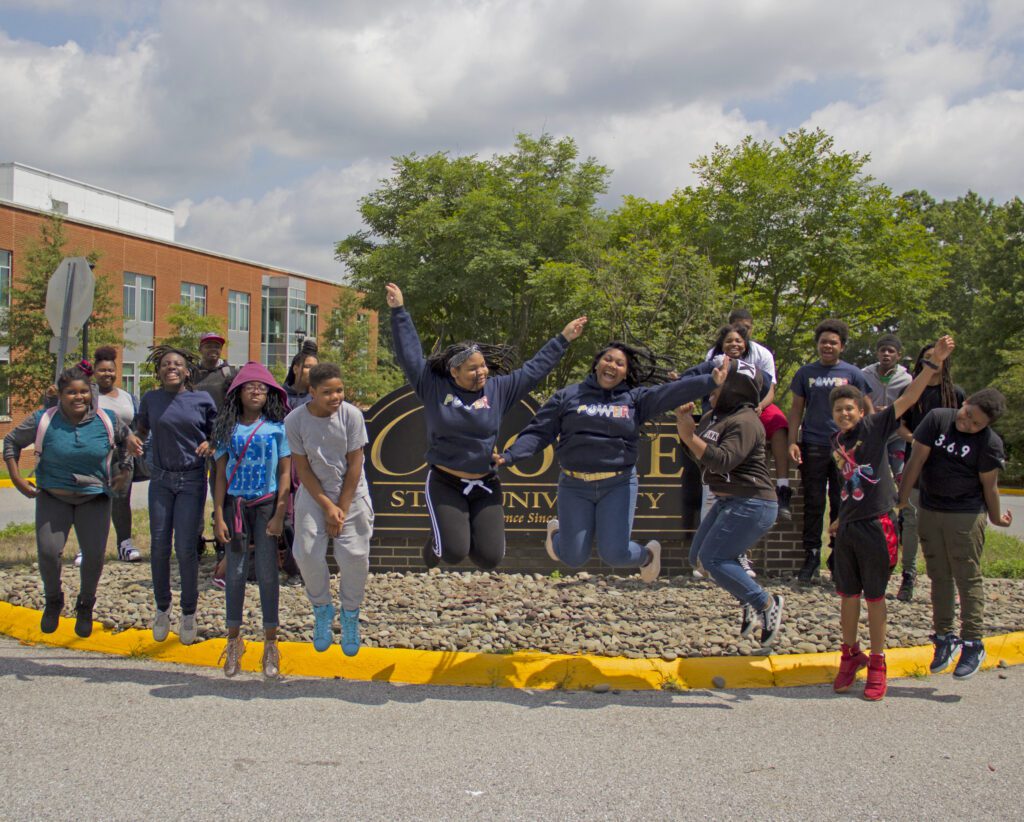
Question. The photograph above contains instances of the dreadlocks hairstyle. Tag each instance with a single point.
(229, 415)
(947, 391)
(500, 359)
(642, 366)
(725, 331)
(158, 352)
(309, 349)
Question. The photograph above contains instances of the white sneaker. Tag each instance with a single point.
(698, 571)
(187, 629)
(127, 552)
(549, 545)
(161, 625)
(650, 571)
(78, 560)
(744, 561)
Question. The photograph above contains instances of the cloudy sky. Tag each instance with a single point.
(263, 122)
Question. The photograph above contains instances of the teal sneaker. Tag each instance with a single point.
(350, 632)
(323, 635)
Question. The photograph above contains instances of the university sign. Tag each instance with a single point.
(397, 472)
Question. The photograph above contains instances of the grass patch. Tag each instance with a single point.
(1003, 556)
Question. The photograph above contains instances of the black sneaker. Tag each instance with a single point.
(748, 621)
(785, 496)
(971, 657)
(906, 591)
(945, 646)
(51, 613)
(812, 563)
(430, 559)
(771, 620)
(83, 616)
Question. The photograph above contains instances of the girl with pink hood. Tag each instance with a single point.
(250, 500)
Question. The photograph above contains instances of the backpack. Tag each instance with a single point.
(44, 426)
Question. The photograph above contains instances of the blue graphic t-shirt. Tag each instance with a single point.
(814, 382)
(257, 475)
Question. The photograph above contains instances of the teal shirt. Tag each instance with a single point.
(70, 450)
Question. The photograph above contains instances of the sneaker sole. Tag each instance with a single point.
(846, 688)
(549, 546)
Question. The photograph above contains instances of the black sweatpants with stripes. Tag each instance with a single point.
(467, 518)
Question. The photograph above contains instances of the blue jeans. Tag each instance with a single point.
(255, 519)
(729, 529)
(602, 509)
(176, 501)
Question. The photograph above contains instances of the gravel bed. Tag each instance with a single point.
(493, 612)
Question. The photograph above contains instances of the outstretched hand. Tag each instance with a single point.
(393, 296)
(574, 328)
(685, 424)
(720, 373)
(942, 349)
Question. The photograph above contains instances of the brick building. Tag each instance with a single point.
(267, 309)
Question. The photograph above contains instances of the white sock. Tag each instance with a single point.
(782, 483)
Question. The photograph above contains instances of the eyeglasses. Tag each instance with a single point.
(255, 388)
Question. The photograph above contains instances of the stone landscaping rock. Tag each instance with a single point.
(485, 611)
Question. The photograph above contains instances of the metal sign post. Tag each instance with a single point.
(69, 298)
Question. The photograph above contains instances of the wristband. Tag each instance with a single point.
(930, 364)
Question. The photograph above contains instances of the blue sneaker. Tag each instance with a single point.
(350, 632)
(322, 633)
(971, 657)
(945, 646)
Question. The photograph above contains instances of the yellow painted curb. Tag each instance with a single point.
(6, 483)
(523, 669)
(1012, 492)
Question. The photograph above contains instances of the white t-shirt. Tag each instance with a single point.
(757, 355)
(120, 402)
(325, 442)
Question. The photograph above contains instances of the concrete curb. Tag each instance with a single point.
(523, 669)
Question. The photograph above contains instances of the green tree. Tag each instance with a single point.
(462, 237)
(24, 329)
(798, 232)
(187, 325)
(347, 341)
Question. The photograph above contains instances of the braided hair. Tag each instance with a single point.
(227, 418)
(309, 349)
(947, 391)
(500, 359)
(158, 352)
(642, 365)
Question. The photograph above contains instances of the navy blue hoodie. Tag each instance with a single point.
(462, 426)
(599, 430)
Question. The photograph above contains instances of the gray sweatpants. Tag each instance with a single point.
(351, 550)
(56, 514)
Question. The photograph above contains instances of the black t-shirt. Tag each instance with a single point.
(949, 478)
(931, 398)
(863, 461)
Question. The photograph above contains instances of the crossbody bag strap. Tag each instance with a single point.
(238, 459)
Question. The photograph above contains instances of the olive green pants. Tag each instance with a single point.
(951, 543)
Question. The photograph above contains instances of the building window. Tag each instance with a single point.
(138, 297)
(238, 311)
(296, 320)
(194, 295)
(59, 206)
(5, 279)
(273, 336)
(129, 378)
(5, 397)
(312, 320)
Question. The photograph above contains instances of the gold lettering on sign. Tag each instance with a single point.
(378, 444)
(549, 458)
(653, 498)
(663, 448)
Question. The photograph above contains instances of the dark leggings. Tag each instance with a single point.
(464, 524)
(121, 514)
(56, 514)
(255, 519)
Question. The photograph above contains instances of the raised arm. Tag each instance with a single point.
(661, 398)
(408, 349)
(523, 380)
(912, 393)
(539, 433)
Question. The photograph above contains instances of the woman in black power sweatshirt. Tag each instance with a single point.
(463, 410)
(728, 445)
(597, 427)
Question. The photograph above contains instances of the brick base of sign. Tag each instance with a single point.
(779, 553)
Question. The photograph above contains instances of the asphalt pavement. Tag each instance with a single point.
(94, 737)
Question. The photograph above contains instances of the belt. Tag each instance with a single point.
(592, 476)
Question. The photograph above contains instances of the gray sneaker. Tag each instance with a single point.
(187, 629)
(649, 572)
(161, 625)
(549, 545)
(232, 655)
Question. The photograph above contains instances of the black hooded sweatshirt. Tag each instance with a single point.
(734, 462)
